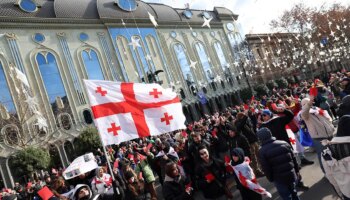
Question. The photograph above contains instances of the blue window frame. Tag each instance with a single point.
(5, 97)
(127, 5)
(92, 65)
(52, 79)
(27, 5)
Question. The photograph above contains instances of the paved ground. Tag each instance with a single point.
(320, 188)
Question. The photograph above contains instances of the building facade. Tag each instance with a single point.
(290, 55)
(47, 47)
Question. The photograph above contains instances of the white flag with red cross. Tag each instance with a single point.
(292, 138)
(125, 111)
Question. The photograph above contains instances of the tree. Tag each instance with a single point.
(29, 160)
(261, 90)
(271, 84)
(246, 94)
(88, 141)
(282, 83)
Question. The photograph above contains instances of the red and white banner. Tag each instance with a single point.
(247, 178)
(125, 111)
(292, 138)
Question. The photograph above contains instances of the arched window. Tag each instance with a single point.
(234, 42)
(11, 134)
(141, 63)
(92, 64)
(128, 63)
(221, 55)
(7, 106)
(204, 59)
(184, 64)
(52, 80)
(65, 121)
(223, 62)
(87, 117)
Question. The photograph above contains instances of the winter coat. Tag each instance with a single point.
(319, 126)
(175, 189)
(338, 169)
(278, 162)
(215, 188)
(239, 141)
(245, 126)
(144, 167)
(277, 125)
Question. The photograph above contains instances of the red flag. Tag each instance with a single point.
(213, 133)
(246, 107)
(116, 164)
(210, 177)
(274, 106)
(45, 193)
(313, 89)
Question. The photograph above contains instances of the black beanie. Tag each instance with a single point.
(264, 134)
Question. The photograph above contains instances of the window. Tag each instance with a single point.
(11, 134)
(52, 79)
(204, 59)
(221, 55)
(87, 117)
(141, 63)
(65, 121)
(184, 64)
(92, 64)
(127, 5)
(6, 100)
(27, 5)
(234, 41)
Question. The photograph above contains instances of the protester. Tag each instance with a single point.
(175, 186)
(336, 158)
(279, 164)
(237, 158)
(211, 176)
(318, 123)
(102, 182)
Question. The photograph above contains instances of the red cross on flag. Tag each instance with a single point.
(125, 111)
(292, 139)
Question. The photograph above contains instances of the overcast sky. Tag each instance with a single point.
(254, 15)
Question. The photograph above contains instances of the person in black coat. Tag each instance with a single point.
(237, 140)
(174, 187)
(245, 126)
(279, 164)
(277, 125)
(237, 157)
(211, 176)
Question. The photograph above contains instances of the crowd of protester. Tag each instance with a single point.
(242, 143)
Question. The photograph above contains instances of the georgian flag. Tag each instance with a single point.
(247, 178)
(125, 111)
(292, 139)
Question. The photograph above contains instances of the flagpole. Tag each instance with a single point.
(114, 185)
(115, 189)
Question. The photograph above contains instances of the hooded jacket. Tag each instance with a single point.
(277, 159)
(318, 126)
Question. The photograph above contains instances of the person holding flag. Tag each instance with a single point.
(244, 176)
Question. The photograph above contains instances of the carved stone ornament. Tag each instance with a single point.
(61, 34)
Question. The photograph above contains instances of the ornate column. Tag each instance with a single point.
(6, 173)
(69, 60)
